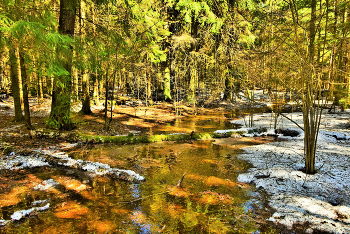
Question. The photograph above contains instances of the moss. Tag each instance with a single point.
(257, 130)
(179, 137)
(131, 138)
(240, 132)
(8, 150)
(202, 136)
(215, 135)
(157, 138)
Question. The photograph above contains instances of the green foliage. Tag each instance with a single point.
(167, 94)
(202, 12)
(345, 103)
(5, 23)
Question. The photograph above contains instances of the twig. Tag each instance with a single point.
(291, 121)
(180, 181)
(304, 180)
(163, 228)
(142, 198)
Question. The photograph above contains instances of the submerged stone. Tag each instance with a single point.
(18, 215)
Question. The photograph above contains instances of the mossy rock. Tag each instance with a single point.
(287, 132)
(257, 130)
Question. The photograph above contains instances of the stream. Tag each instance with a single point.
(209, 199)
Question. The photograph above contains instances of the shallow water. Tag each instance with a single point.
(208, 201)
(197, 123)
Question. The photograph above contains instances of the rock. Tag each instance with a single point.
(287, 132)
(4, 222)
(18, 215)
(334, 199)
(262, 176)
(246, 178)
(46, 185)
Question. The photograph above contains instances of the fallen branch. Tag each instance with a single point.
(291, 120)
(141, 198)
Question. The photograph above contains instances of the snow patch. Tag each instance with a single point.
(4, 222)
(95, 168)
(231, 130)
(20, 162)
(246, 178)
(322, 199)
(46, 185)
(18, 215)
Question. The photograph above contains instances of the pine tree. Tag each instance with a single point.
(61, 94)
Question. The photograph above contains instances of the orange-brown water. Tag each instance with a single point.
(208, 201)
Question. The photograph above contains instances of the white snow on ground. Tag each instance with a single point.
(321, 199)
(46, 185)
(96, 168)
(231, 130)
(13, 162)
(20, 214)
(23, 213)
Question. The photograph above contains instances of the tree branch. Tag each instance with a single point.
(291, 120)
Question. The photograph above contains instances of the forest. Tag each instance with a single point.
(161, 83)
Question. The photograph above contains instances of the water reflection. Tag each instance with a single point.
(209, 200)
(197, 123)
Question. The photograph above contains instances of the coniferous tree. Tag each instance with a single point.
(25, 82)
(61, 94)
(15, 86)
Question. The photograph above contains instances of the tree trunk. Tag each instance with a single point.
(96, 90)
(166, 92)
(112, 98)
(15, 86)
(86, 108)
(311, 113)
(61, 94)
(75, 82)
(25, 90)
(19, 77)
(106, 96)
(228, 88)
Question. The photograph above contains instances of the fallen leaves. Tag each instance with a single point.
(71, 210)
(215, 181)
(213, 198)
(104, 226)
(178, 192)
(71, 184)
(212, 180)
(13, 197)
(175, 210)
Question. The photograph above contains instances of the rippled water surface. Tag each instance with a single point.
(198, 123)
(208, 201)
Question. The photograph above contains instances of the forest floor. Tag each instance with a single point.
(128, 118)
(319, 201)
